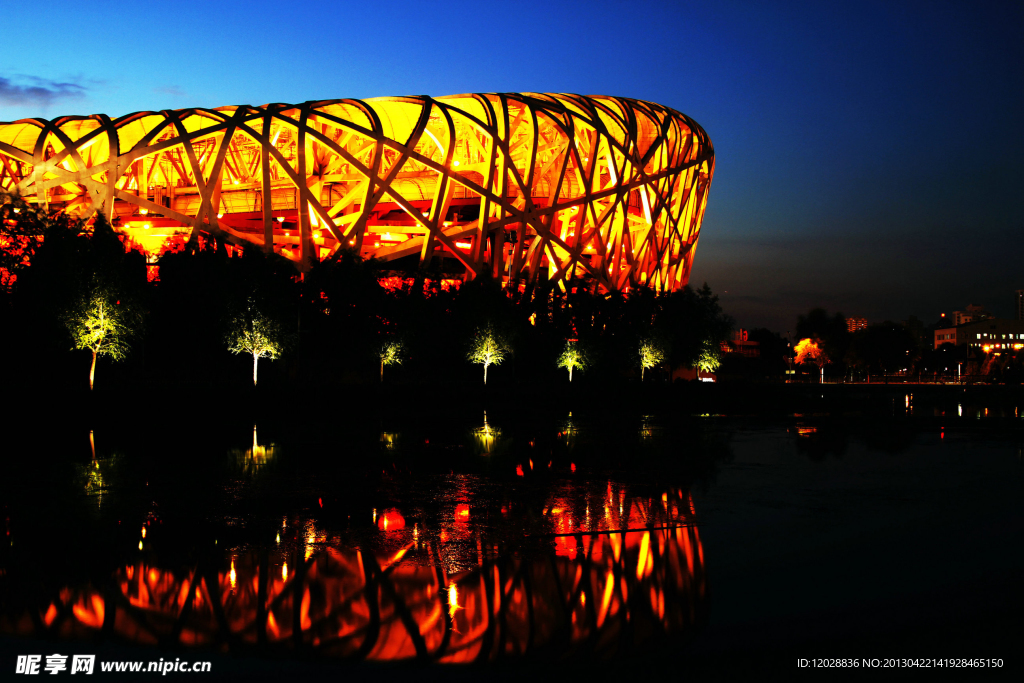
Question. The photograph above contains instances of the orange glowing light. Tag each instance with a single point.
(391, 520)
(461, 512)
(519, 470)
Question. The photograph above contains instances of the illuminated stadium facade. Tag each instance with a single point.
(518, 186)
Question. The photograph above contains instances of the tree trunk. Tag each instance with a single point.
(255, 360)
(570, 373)
(92, 370)
(382, 371)
(642, 368)
(485, 374)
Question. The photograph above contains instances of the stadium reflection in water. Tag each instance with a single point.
(594, 591)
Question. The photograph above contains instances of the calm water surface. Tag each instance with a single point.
(508, 538)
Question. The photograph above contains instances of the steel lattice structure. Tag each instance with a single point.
(520, 186)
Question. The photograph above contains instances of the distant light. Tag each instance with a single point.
(455, 163)
(220, 215)
(146, 226)
(143, 211)
(280, 219)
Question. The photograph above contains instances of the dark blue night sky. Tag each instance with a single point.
(870, 156)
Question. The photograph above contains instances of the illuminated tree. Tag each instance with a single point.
(390, 354)
(808, 351)
(253, 332)
(488, 348)
(651, 354)
(100, 324)
(710, 357)
(573, 357)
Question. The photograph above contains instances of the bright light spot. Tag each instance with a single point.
(453, 600)
(455, 163)
(143, 532)
(233, 576)
(284, 571)
(140, 545)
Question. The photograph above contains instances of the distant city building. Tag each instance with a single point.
(989, 334)
(740, 345)
(1020, 304)
(854, 324)
(973, 314)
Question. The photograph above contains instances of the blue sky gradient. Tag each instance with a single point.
(870, 156)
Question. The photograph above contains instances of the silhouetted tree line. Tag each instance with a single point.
(335, 325)
(890, 348)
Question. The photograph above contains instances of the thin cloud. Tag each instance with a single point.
(172, 90)
(40, 93)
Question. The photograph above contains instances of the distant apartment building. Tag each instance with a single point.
(1020, 304)
(972, 314)
(988, 334)
(854, 324)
